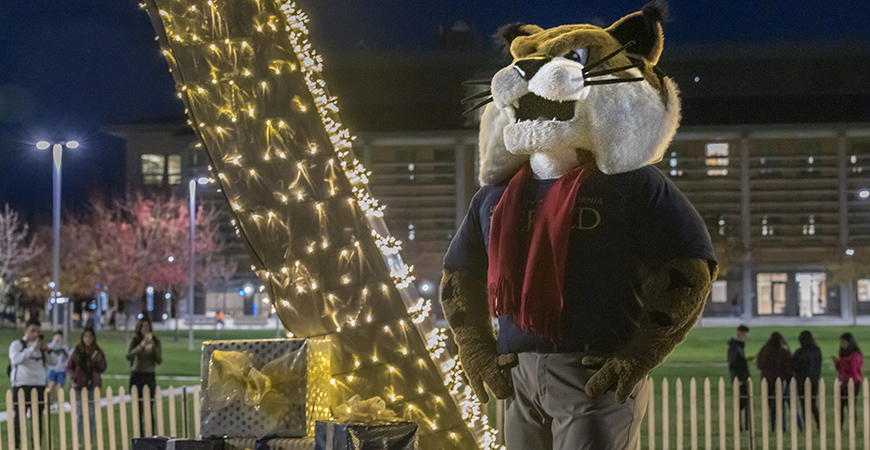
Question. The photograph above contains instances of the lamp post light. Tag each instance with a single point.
(57, 154)
(192, 187)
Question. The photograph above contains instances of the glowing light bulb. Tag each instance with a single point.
(404, 351)
(375, 358)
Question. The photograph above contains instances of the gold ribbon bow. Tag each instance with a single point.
(355, 410)
(271, 389)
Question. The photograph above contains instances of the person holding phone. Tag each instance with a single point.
(144, 354)
(28, 359)
(85, 365)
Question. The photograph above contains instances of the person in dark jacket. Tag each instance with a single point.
(144, 354)
(774, 362)
(807, 362)
(849, 367)
(738, 367)
(85, 366)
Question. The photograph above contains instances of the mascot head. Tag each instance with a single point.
(576, 90)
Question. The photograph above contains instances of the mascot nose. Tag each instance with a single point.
(528, 67)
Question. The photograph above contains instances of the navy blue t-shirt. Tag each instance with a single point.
(622, 223)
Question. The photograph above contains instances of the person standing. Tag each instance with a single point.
(774, 362)
(807, 362)
(57, 371)
(849, 367)
(738, 367)
(28, 358)
(85, 367)
(144, 354)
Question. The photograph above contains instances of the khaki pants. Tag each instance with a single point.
(551, 411)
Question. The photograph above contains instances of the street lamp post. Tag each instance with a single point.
(192, 186)
(57, 154)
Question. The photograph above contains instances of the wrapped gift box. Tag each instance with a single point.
(268, 387)
(390, 436)
(195, 444)
(150, 443)
(270, 444)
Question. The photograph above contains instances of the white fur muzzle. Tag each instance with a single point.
(625, 126)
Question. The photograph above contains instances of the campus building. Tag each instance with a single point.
(774, 152)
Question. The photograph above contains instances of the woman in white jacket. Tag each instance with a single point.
(28, 358)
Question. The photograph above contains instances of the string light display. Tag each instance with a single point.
(252, 87)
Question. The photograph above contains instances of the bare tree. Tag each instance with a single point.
(16, 251)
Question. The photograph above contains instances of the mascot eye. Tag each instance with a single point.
(578, 55)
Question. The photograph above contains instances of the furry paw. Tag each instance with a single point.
(491, 370)
(623, 373)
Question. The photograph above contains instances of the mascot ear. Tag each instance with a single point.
(645, 29)
(507, 33)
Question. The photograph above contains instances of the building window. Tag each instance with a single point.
(812, 299)
(719, 294)
(675, 164)
(770, 159)
(767, 225)
(717, 159)
(720, 225)
(173, 169)
(157, 168)
(809, 156)
(771, 293)
(864, 290)
(153, 167)
(809, 228)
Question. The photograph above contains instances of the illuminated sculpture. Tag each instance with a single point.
(251, 84)
(594, 263)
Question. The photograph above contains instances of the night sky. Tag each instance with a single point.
(67, 68)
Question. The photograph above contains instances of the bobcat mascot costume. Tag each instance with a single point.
(594, 263)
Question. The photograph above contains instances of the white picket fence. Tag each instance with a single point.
(664, 424)
(111, 434)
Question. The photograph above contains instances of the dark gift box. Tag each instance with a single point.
(195, 444)
(390, 436)
(150, 443)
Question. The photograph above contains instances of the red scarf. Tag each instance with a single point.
(536, 304)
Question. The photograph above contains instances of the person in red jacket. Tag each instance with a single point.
(849, 366)
(774, 362)
(85, 365)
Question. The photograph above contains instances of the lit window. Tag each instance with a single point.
(766, 226)
(675, 162)
(864, 290)
(717, 158)
(721, 226)
(173, 165)
(771, 293)
(152, 168)
(719, 294)
(809, 228)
